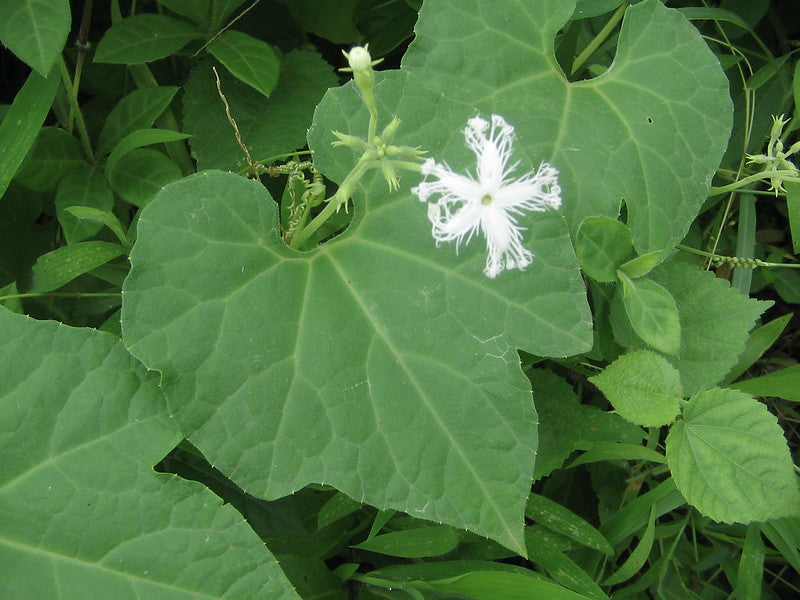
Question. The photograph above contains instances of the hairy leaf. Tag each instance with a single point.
(729, 459)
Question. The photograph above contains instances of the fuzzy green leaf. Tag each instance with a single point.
(715, 321)
(643, 387)
(730, 460)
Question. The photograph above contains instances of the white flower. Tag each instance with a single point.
(490, 202)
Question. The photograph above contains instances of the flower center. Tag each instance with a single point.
(486, 200)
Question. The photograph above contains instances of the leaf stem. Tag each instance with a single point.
(334, 203)
(737, 261)
(784, 174)
(62, 295)
(599, 38)
(75, 110)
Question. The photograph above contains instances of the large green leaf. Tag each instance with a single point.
(729, 458)
(268, 126)
(377, 363)
(82, 513)
(650, 131)
(35, 30)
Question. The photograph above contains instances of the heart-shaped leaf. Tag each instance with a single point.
(377, 363)
(729, 458)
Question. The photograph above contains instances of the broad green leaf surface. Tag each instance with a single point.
(137, 110)
(144, 38)
(22, 123)
(715, 321)
(643, 387)
(35, 30)
(82, 513)
(252, 61)
(730, 460)
(378, 363)
(653, 314)
(649, 132)
(269, 127)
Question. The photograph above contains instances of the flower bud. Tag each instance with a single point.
(359, 59)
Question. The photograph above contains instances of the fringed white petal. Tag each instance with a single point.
(488, 204)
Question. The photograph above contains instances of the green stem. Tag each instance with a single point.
(335, 202)
(735, 260)
(62, 295)
(75, 110)
(599, 38)
(784, 174)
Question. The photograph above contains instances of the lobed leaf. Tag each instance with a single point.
(648, 132)
(82, 513)
(366, 363)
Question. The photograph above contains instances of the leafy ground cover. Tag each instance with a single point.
(359, 299)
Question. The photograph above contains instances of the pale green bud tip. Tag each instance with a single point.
(359, 59)
(349, 140)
